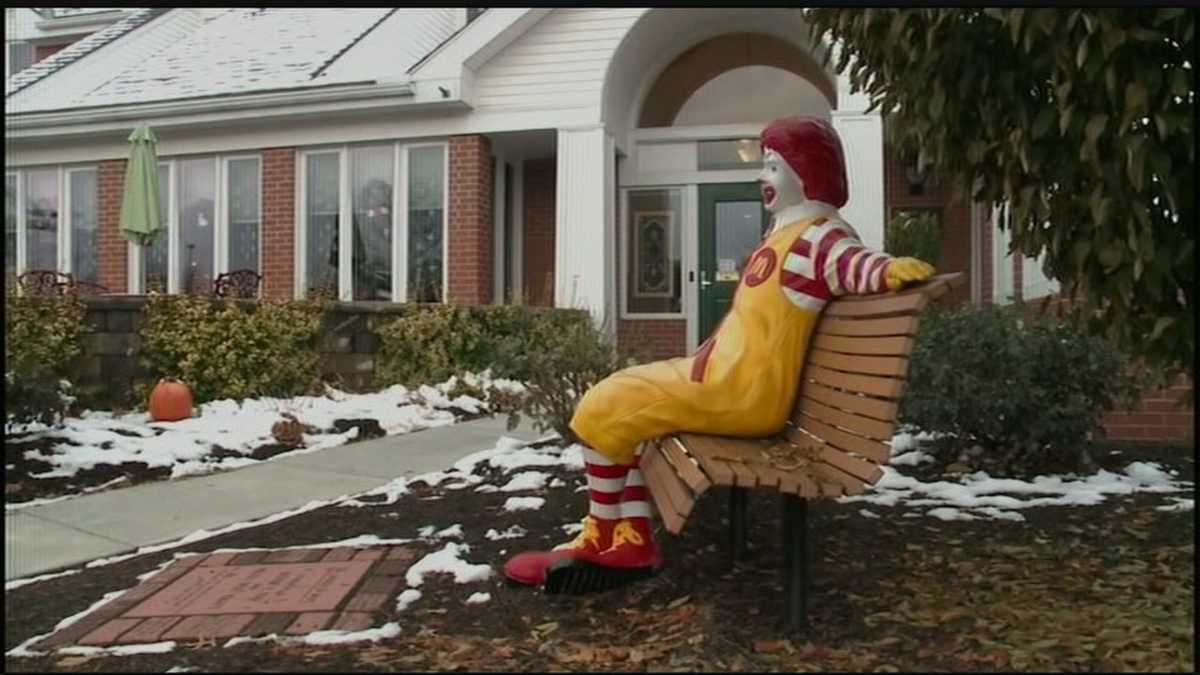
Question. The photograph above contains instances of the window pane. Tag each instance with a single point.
(321, 224)
(10, 230)
(425, 222)
(371, 188)
(41, 219)
(732, 154)
(154, 256)
(83, 225)
(244, 216)
(197, 191)
(654, 250)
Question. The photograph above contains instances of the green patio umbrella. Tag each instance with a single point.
(139, 206)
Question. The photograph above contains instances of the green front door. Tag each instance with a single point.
(732, 223)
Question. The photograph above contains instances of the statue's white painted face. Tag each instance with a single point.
(780, 186)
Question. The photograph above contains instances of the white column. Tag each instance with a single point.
(862, 142)
(584, 230)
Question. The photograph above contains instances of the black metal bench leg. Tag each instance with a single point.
(739, 520)
(795, 561)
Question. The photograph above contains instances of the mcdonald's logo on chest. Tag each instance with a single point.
(760, 266)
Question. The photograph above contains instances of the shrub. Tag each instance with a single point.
(1027, 391)
(915, 234)
(433, 342)
(42, 337)
(568, 359)
(222, 349)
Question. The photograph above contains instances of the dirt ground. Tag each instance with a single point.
(1108, 587)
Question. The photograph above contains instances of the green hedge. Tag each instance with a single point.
(222, 349)
(430, 343)
(42, 336)
(915, 234)
(1026, 390)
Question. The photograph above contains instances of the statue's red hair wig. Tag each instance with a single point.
(812, 148)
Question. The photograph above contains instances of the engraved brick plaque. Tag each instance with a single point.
(235, 589)
(227, 594)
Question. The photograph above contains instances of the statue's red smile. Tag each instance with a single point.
(768, 194)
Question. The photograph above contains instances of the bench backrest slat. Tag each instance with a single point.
(856, 372)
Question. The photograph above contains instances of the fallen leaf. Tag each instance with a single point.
(889, 641)
(767, 646)
(678, 601)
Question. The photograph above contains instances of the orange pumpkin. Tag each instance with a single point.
(170, 401)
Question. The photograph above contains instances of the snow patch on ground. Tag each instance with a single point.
(976, 495)
(448, 561)
(1180, 504)
(479, 598)
(526, 480)
(523, 503)
(23, 648)
(406, 598)
(17, 583)
(511, 533)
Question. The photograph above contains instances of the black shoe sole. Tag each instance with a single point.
(571, 576)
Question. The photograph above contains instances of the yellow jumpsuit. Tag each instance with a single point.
(742, 381)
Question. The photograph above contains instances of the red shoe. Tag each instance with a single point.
(530, 567)
(633, 546)
(633, 555)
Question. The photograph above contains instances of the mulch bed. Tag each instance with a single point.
(1106, 587)
(21, 486)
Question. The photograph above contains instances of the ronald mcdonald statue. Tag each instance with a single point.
(742, 381)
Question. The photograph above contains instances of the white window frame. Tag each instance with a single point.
(66, 224)
(220, 221)
(63, 245)
(687, 253)
(400, 172)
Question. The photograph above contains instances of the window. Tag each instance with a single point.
(83, 216)
(426, 216)
(10, 230)
(728, 154)
(50, 222)
(212, 210)
(41, 219)
(373, 221)
(244, 213)
(654, 252)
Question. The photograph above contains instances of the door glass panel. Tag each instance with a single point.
(426, 213)
(738, 232)
(154, 255)
(243, 214)
(654, 251)
(371, 171)
(321, 227)
(10, 230)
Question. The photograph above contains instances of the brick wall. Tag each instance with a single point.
(538, 231)
(661, 338)
(955, 208)
(1156, 417)
(279, 227)
(113, 254)
(469, 249)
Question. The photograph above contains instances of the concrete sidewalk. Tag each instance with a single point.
(45, 538)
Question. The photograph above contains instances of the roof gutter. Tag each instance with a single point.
(213, 109)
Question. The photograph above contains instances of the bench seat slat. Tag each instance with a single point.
(880, 346)
(888, 366)
(677, 492)
(856, 327)
(863, 470)
(864, 406)
(676, 453)
(872, 449)
(885, 387)
(863, 426)
(657, 480)
(702, 449)
(845, 482)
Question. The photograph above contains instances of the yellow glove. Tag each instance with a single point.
(904, 270)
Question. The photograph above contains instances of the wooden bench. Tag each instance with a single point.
(834, 443)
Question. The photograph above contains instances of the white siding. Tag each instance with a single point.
(862, 143)
(559, 63)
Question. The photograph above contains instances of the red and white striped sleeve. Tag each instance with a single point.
(848, 267)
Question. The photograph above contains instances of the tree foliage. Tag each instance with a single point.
(1081, 120)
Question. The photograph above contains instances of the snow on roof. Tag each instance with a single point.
(245, 50)
(64, 12)
(78, 50)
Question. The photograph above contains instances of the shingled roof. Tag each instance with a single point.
(251, 50)
(80, 49)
